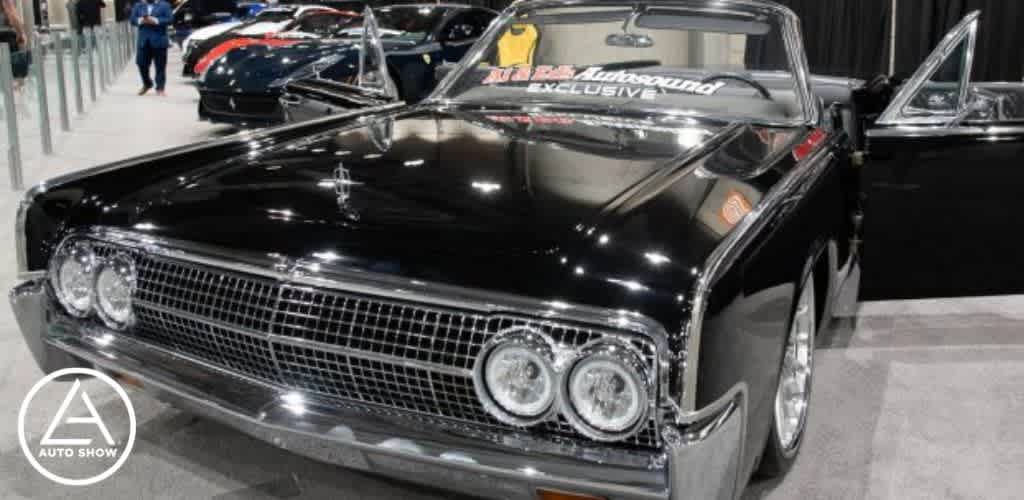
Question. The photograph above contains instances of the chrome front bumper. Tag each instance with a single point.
(701, 458)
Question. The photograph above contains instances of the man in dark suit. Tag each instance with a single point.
(89, 13)
(152, 17)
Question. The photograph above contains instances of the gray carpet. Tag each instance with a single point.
(918, 400)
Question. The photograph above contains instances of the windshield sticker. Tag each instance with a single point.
(594, 74)
(529, 74)
(547, 79)
(592, 89)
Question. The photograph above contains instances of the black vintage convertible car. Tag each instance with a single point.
(589, 264)
(243, 87)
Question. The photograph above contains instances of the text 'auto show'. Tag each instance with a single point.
(512, 249)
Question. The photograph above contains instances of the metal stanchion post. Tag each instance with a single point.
(129, 48)
(39, 62)
(116, 48)
(101, 52)
(7, 92)
(62, 90)
(90, 43)
(76, 71)
(101, 63)
(119, 46)
(109, 52)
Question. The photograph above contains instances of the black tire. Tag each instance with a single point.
(777, 457)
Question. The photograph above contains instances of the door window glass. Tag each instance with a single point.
(941, 94)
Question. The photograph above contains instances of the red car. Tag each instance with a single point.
(313, 24)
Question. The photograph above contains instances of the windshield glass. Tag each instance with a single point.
(687, 57)
(411, 23)
(274, 15)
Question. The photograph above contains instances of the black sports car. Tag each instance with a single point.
(589, 265)
(243, 86)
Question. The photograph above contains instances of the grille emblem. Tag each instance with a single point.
(231, 102)
(342, 184)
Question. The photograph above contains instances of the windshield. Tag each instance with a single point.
(412, 23)
(688, 57)
(274, 15)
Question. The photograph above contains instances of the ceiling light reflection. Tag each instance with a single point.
(327, 256)
(690, 137)
(656, 258)
(633, 286)
(486, 187)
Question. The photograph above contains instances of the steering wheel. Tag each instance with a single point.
(740, 78)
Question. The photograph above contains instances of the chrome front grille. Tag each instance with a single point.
(335, 345)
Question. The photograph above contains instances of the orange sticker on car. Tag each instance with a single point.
(735, 208)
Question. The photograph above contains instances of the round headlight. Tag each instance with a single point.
(115, 285)
(605, 391)
(514, 377)
(71, 274)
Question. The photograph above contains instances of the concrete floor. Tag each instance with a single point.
(915, 400)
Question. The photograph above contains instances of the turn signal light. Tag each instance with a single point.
(546, 494)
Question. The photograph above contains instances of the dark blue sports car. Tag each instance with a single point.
(386, 55)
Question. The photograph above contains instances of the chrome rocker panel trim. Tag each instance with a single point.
(700, 459)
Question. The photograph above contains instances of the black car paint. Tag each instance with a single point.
(941, 216)
(575, 208)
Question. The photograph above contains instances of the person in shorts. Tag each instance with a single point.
(12, 32)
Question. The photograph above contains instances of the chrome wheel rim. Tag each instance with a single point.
(793, 393)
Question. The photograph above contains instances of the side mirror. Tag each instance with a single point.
(442, 70)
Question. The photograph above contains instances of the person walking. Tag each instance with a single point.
(152, 17)
(12, 32)
(88, 13)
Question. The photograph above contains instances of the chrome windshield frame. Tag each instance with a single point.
(788, 22)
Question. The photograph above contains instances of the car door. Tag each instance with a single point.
(372, 85)
(943, 183)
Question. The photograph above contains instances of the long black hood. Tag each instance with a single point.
(604, 211)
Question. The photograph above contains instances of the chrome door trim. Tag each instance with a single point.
(993, 132)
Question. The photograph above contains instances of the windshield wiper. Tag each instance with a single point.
(640, 63)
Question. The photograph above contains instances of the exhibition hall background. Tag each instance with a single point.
(843, 37)
(851, 37)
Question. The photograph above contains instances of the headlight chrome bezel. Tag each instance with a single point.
(532, 341)
(627, 358)
(121, 262)
(124, 265)
(73, 250)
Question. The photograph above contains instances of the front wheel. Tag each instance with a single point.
(792, 396)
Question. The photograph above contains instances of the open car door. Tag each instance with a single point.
(316, 97)
(943, 183)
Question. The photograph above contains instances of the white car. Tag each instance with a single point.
(270, 20)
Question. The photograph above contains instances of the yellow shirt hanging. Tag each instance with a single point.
(516, 46)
